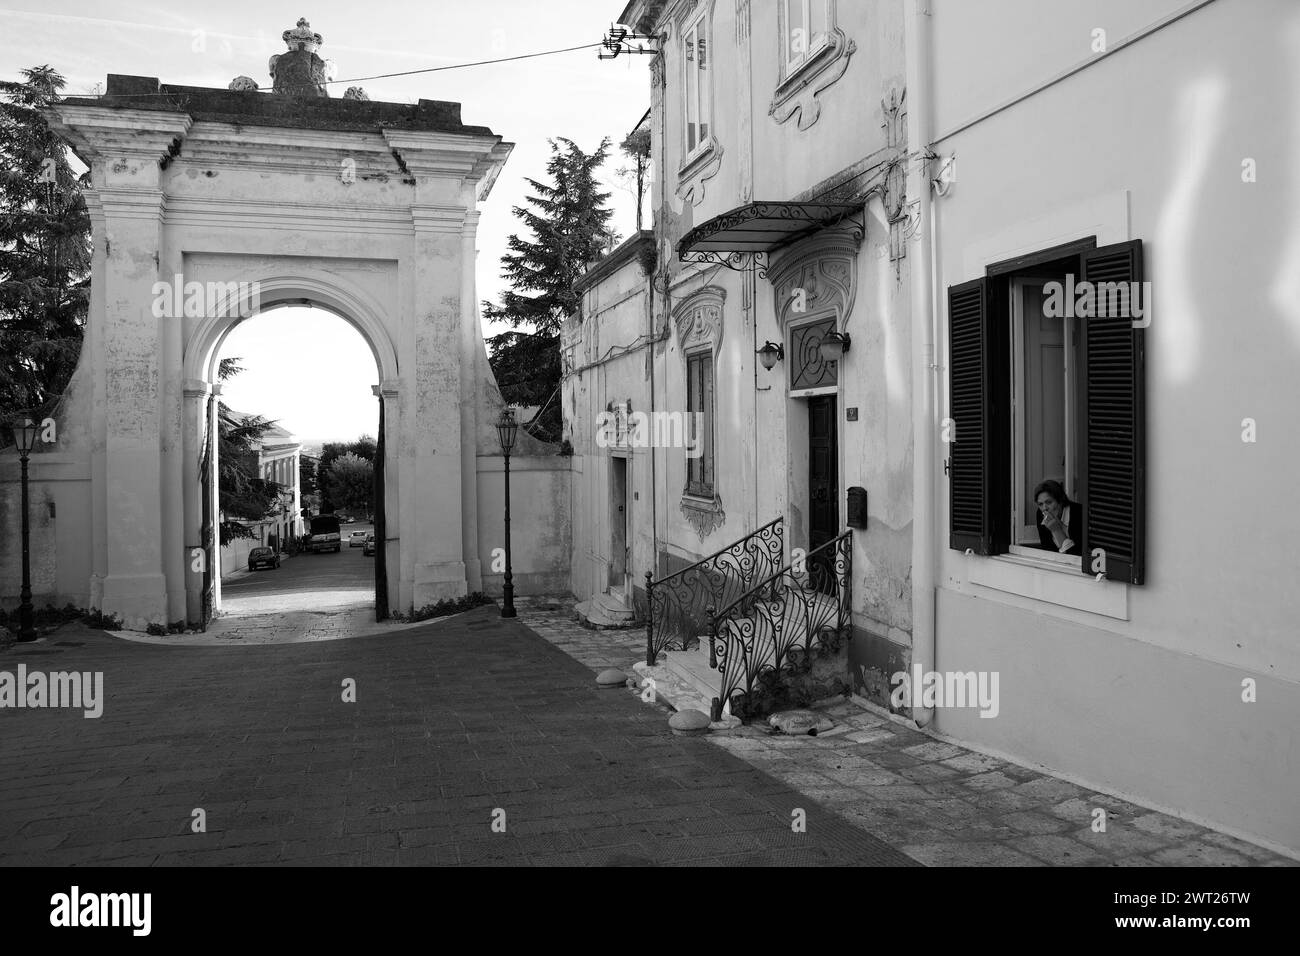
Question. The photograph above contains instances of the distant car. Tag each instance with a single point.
(263, 558)
(357, 539)
(324, 534)
(346, 519)
(368, 550)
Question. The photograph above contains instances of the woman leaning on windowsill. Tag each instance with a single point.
(1060, 520)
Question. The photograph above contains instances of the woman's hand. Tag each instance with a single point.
(1053, 524)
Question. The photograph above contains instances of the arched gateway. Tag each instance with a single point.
(361, 208)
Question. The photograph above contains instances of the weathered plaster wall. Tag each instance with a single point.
(540, 541)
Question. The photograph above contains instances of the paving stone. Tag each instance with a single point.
(974, 763)
(990, 780)
(1120, 840)
(1170, 828)
(1049, 790)
(868, 736)
(1059, 850)
(1028, 821)
(934, 750)
(968, 854)
(1199, 853)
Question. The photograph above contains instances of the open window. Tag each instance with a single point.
(1046, 380)
(697, 102)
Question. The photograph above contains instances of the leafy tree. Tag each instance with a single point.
(637, 148)
(244, 493)
(350, 483)
(45, 250)
(364, 447)
(570, 230)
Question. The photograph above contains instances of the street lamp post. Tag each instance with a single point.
(507, 428)
(25, 438)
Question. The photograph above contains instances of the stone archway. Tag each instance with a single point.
(366, 209)
(202, 353)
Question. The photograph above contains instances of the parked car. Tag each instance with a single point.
(263, 558)
(368, 550)
(346, 519)
(357, 539)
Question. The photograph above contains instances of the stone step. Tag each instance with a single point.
(613, 607)
(593, 613)
(691, 669)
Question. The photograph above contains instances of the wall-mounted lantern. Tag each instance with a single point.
(833, 346)
(770, 354)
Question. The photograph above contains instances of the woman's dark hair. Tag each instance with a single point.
(1053, 488)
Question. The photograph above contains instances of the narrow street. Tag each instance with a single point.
(455, 724)
(310, 597)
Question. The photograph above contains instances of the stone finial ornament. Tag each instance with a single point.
(357, 93)
(301, 37)
(300, 72)
(243, 84)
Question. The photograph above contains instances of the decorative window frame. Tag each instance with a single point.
(704, 162)
(698, 324)
(797, 93)
(826, 267)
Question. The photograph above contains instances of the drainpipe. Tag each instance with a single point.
(924, 369)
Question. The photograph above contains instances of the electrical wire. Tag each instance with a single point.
(377, 76)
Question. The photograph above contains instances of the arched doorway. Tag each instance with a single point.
(203, 353)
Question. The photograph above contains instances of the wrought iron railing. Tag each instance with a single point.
(804, 602)
(677, 606)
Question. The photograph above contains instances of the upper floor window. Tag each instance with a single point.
(808, 24)
(1047, 452)
(697, 108)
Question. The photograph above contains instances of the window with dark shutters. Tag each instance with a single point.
(969, 390)
(1109, 419)
(1113, 466)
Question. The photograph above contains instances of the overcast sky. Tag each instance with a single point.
(571, 94)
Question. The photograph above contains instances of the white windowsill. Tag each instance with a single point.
(695, 161)
(1044, 579)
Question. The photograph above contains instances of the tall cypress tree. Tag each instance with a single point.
(45, 250)
(570, 228)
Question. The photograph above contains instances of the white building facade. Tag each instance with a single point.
(995, 189)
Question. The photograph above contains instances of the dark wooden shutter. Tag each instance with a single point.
(970, 393)
(1112, 459)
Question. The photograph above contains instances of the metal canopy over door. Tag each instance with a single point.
(823, 483)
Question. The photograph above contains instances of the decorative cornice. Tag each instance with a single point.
(692, 177)
(825, 267)
(699, 319)
(798, 93)
(705, 517)
(440, 219)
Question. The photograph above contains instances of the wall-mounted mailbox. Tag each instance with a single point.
(857, 507)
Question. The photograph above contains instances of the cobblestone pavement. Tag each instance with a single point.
(456, 723)
(939, 803)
